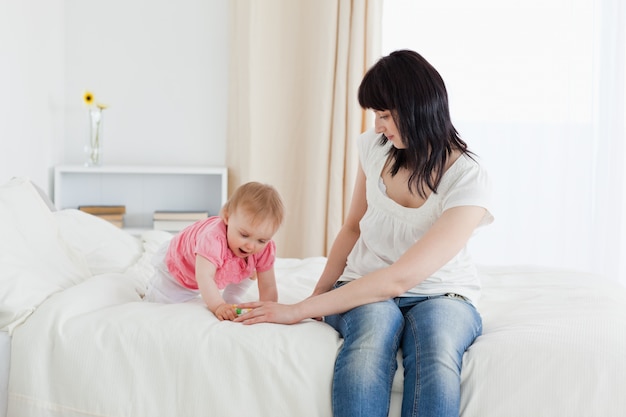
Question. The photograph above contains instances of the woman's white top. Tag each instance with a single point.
(389, 229)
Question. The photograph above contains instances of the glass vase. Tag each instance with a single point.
(93, 148)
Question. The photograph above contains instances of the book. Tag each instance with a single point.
(111, 217)
(114, 219)
(113, 209)
(179, 215)
(171, 225)
(114, 214)
(117, 223)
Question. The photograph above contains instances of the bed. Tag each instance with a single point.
(77, 340)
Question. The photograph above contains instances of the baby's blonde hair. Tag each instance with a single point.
(261, 201)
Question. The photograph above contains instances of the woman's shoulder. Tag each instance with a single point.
(369, 138)
(466, 182)
(370, 147)
(464, 165)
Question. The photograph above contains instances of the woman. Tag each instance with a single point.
(398, 274)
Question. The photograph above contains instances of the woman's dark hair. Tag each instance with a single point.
(413, 91)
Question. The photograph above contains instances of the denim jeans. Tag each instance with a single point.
(432, 332)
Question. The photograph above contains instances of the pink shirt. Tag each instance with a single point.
(207, 238)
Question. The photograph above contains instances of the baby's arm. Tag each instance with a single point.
(205, 275)
(267, 285)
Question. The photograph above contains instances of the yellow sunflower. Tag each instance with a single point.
(88, 98)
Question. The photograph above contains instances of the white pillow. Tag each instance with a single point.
(106, 247)
(35, 262)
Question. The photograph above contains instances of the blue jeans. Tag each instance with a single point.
(433, 333)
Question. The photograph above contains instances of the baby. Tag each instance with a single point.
(224, 252)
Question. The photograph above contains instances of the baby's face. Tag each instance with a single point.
(246, 237)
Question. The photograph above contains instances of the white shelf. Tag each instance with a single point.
(142, 189)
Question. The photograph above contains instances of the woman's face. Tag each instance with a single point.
(385, 124)
(246, 237)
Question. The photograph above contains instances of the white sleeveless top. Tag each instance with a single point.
(389, 229)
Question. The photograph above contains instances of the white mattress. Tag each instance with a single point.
(553, 345)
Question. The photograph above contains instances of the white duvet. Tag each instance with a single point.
(553, 345)
(84, 344)
(97, 349)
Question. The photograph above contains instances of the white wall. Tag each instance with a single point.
(161, 66)
(31, 87)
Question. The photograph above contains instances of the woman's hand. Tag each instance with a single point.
(268, 312)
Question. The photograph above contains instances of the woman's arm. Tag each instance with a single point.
(441, 243)
(346, 238)
(266, 281)
(205, 276)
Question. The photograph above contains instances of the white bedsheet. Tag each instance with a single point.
(553, 345)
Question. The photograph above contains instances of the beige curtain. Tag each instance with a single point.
(293, 111)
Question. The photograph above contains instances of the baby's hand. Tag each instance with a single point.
(225, 312)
